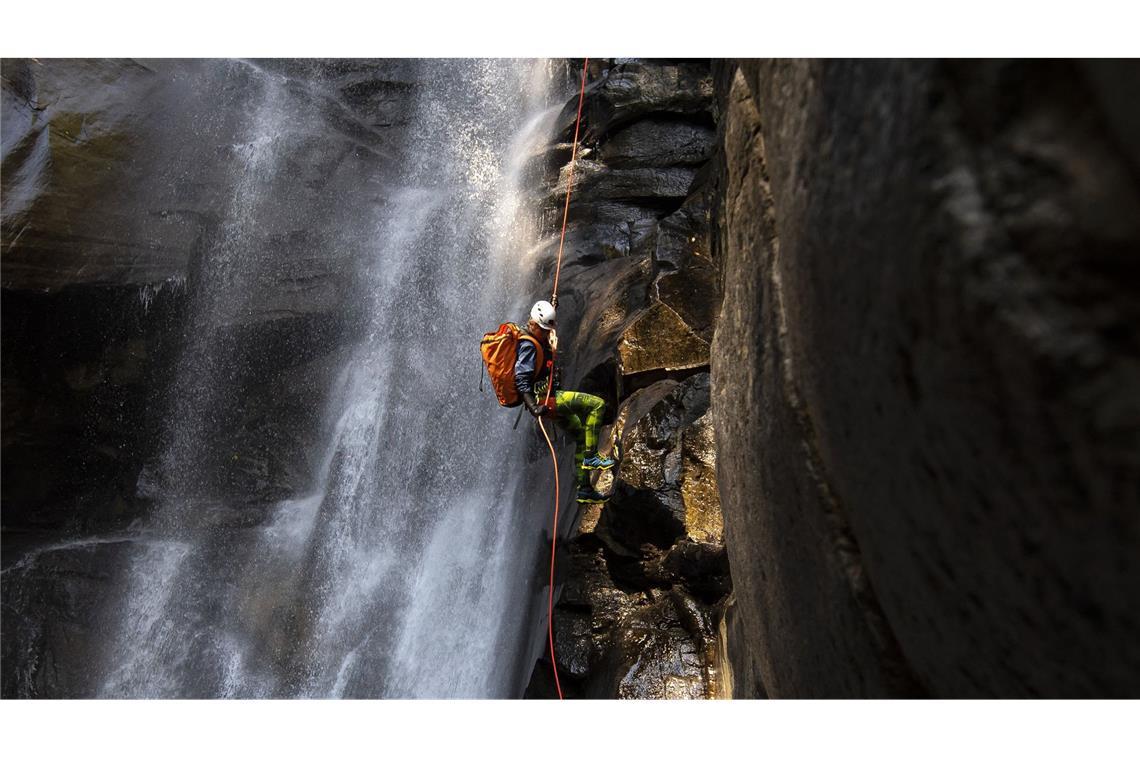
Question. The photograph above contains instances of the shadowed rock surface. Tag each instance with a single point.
(929, 314)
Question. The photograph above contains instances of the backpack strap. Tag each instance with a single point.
(540, 355)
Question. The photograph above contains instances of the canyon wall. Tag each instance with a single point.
(127, 185)
(925, 377)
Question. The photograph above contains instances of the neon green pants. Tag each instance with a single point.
(580, 414)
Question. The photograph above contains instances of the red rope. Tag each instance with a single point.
(569, 185)
(553, 541)
(550, 383)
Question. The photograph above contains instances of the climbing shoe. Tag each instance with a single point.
(587, 495)
(597, 462)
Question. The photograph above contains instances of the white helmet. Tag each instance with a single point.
(543, 313)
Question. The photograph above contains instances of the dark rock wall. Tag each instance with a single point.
(118, 180)
(644, 578)
(925, 377)
(117, 187)
(81, 373)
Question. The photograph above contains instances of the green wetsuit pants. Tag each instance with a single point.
(580, 414)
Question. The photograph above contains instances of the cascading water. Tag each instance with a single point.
(409, 570)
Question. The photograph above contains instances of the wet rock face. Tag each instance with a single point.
(649, 505)
(929, 317)
(628, 627)
(654, 142)
(660, 339)
(633, 90)
(125, 184)
(646, 574)
(72, 580)
(120, 171)
(81, 371)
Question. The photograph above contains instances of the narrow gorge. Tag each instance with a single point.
(866, 332)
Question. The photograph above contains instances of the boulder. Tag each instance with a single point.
(600, 302)
(614, 641)
(683, 239)
(652, 657)
(658, 142)
(660, 340)
(699, 491)
(686, 273)
(702, 567)
(648, 506)
(650, 186)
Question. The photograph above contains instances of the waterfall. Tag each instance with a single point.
(408, 570)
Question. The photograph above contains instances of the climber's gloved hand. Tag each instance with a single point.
(536, 409)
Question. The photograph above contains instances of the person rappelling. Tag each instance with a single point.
(520, 364)
(520, 370)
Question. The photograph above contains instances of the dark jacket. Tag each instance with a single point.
(527, 375)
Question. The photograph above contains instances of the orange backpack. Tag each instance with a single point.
(500, 351)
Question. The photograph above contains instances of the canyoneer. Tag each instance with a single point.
(518, 361)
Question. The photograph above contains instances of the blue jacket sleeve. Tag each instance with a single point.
(525, 367)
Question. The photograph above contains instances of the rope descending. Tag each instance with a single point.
(550, 382)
